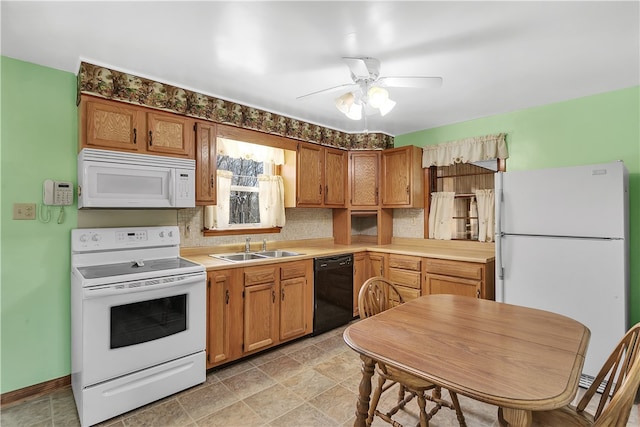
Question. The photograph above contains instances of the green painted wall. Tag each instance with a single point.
(39, 141)
(593, 129)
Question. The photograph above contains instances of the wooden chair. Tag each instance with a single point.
(376, 295)
(621, 374)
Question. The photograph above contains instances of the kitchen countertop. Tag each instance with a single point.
(450, 250)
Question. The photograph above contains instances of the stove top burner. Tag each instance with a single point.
(134, 267)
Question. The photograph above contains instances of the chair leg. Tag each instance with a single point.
(374, 400)
(401, 392)
(422, 403)
(458, 409)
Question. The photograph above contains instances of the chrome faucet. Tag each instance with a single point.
(264, 245)
(247, 245)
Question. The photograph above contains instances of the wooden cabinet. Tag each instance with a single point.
(224, 314)
(376, 264)
(321, 177)
(364, 179)
(114, 125)
(260, 308)
(206, 163)
(359, 277)
(296, 299)
(335, 177)
(459, 278)
(402, 177)
(169, 134)
(405, 273)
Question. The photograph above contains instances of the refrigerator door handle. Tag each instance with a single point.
(498, 218)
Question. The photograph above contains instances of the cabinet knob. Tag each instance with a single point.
(212, 182)
(226, 298)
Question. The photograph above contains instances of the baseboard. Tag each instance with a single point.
(35, 390)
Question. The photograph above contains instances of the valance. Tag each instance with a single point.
(245, 150)
(466, 150)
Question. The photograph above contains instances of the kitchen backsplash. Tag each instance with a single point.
(408, 223)
(301, 224)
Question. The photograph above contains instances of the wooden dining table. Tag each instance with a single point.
(519, 359)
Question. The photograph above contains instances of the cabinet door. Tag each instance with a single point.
(309, 175)
(436, 284)
(376, 264)
(293, 305)
(359, 277)
(205, 163)
(169, 134)
(335, 174)
(112, 125)
(402, 178)
(260, 310)
(218, 317)
(364, 178)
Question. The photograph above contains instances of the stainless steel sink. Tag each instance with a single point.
(243, 256)
(278, 254)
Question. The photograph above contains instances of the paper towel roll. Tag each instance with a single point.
(209, 217)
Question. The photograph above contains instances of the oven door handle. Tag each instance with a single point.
(110, 290)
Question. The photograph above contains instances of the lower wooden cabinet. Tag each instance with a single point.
(254, 308)
(359, 277)
(405, 272)
(224, 316)
(459, 278)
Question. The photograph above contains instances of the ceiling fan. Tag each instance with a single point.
(368, 93)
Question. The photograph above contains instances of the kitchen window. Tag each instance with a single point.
(250, 192)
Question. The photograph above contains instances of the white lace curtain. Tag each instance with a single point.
(271, 200)
(441, 215)
(218, 216)
(246, 150)
(486, 215)
(467, 150)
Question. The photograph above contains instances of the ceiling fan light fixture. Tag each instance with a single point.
(386, 106)
(344, 102)
(355, 112)
(377, 96)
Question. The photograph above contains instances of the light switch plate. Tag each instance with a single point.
(24, 211)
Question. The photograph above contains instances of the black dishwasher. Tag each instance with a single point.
(333, 292)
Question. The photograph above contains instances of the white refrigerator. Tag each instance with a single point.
(562, 245)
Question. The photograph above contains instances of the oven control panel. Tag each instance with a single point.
(92, 239)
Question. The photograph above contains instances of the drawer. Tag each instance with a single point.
(405, 277)
(454, 268)
(405, 262)
(257, 276)
(407, 294)
(293, 269)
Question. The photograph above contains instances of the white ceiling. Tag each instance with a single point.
(494, 57)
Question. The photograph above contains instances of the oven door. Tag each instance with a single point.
(129, 327)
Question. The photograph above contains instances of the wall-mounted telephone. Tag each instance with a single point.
(57, 193)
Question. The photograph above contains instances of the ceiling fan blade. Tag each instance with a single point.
(328, 90)
(363, 68)
(411, 81)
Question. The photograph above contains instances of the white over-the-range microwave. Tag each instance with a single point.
(114, 179)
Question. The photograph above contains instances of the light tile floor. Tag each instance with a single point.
(312, 382)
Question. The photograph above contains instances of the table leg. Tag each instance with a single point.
(515, 417)
(364, 392)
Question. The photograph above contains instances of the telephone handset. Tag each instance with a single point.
(57, 193)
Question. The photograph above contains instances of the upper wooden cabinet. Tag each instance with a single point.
(321, 176)
(206, 163)
(364, 179)
(402, 177)
(119, 126)
(169, 134)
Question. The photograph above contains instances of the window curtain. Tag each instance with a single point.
(486, 215)
(467, 150)
(440, 215)
(271, 200)
(217, 217)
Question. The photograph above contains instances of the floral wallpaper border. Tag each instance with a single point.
(112, 84)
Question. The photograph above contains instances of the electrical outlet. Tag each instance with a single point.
(24, 211)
